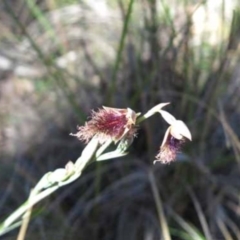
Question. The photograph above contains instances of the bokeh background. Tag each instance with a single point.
(61, 58)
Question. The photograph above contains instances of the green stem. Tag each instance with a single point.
(112, 87)
(44, 188)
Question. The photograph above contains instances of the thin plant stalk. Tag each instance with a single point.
(163, 222)
(112, 87)
(25, 222)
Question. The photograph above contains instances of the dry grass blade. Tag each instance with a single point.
(234, 207)
(191, 230)
(162, 218)
(224, 229)
(200, 215)
(25, 222)
(234, 226)
(231, 136)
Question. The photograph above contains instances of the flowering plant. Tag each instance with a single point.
(106, 126)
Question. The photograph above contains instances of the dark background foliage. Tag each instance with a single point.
(59, 59)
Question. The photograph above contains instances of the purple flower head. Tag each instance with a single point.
(169, 148)
(108, 124)
(174, 137)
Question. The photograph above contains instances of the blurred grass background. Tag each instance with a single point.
(61, 58)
